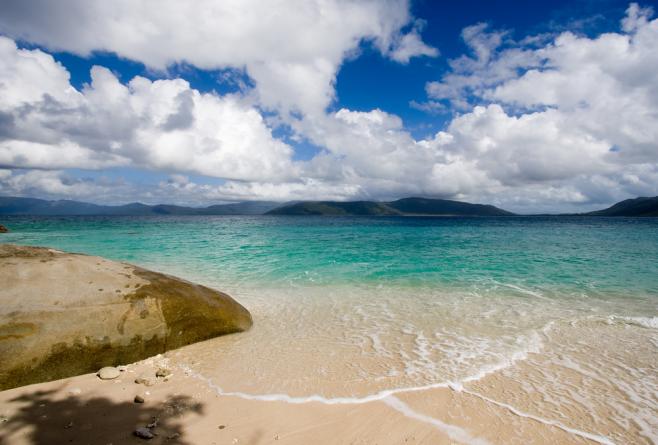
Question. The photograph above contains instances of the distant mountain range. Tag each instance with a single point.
(631, 207)
(401, 207)
(32, 206)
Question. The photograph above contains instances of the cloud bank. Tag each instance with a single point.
(557, 122)
(284, 45)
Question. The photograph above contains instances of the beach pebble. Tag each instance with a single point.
(145, 379)
(139, 399)
(162, 372)
(144, 433)
(108, 373)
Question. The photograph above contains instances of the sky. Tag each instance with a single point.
(530, 106)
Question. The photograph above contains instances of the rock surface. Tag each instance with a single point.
(64, 314)
(3, 229)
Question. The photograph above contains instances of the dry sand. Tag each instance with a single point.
(187, 410)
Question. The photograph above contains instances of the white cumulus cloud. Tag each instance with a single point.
(577, 114)
(161, 125)
(292, 49)
(560, 122)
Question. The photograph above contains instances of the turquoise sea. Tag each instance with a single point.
(350, 309)
(595, 256)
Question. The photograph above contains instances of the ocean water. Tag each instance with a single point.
(556, 318)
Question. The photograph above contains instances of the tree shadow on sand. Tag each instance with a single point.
(46, 419)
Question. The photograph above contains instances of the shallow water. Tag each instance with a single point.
(556, 318)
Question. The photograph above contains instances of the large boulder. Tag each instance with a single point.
(64, 314)
(3, 229)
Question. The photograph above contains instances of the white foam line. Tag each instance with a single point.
(457, 386)
(647, 322)
(594, 437)
(388, 397)
(307, 399)
(452, 431)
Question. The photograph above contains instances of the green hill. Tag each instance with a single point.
(631, 207)
(401, 207)
(31, 206)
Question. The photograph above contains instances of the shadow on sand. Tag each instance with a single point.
(43, 418)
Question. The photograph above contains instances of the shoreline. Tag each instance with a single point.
(326, 365)
(189, 410)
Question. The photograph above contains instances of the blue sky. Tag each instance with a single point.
(355, 100)
(370, 80)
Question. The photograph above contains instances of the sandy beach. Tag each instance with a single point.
(328, 364)
(185, 409)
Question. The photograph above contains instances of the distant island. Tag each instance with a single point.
(642, 206)
(42, 207)
(631, 207)
(401, 207)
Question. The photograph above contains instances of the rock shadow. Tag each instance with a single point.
(44, 418)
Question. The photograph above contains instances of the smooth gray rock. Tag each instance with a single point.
(144, 433)
(108, 373)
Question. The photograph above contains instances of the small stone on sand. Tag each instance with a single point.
(162, 372)
(108, 373)
(139, 399)
(144, 433)
(145, 380)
